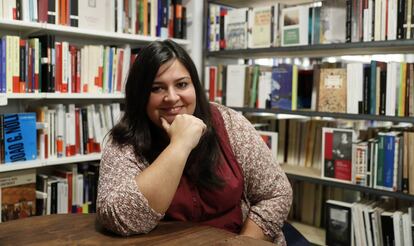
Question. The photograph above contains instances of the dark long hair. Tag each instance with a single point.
(136, 129)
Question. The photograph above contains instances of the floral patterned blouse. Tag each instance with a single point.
(266, 200)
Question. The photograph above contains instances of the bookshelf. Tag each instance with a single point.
(320, 50)
(25, 28)
(49, 162)
(224, 56)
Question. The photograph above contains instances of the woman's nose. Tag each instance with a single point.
(171, 95)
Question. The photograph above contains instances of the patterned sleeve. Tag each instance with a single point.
(121, 207)
(266, 186)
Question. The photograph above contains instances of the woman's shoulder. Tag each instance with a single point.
(224, 110)
(111, 148)
(230, 116)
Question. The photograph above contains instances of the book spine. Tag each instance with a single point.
(74, 13)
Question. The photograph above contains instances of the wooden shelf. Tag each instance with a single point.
(314, 176)
(27, 28)
(49, 162)
(310, 113)
(313, 234)
(64, 95)
(321, 50)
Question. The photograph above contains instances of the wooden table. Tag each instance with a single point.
(82, 229)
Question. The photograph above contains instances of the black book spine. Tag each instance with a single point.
(74, 12)
(53, 201)
(400, 19)
(22, 61)
(383, 88)
(184, 23)
(348, 21)
(52, 64)
(366, 90)
(18, 10)
(51, 12)
(84, 123)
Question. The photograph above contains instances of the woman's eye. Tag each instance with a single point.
(182, 85)
(156, 89)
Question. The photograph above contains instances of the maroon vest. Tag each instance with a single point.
(219, 207)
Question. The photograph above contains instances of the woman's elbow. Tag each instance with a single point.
(123, 223)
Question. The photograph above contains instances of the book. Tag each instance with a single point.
(20, 137)
(338, 223)
(295, 25)
(271, 139)
(332, 90)
(93, 15)
(281, 89)
(236, 28)
(260, 23)
(337, 154)
(18, 194)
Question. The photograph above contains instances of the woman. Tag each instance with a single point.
(175, 156)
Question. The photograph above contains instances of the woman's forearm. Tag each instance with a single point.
(159, 182)
(250, 229)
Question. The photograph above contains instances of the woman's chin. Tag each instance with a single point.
(169, 118)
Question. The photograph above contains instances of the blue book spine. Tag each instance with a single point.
(3, 89)
(20, 137)
(159, 18)
(389, 161)
(111, 60)
(373, 88)
(281, 87)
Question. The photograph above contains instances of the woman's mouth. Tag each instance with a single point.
(172, 110)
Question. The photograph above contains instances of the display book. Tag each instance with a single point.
(369, 102)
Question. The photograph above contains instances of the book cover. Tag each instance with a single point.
(92, 15)
(295, 25)
(236, 29)
(261, 34)
(18, 194)
(20, 137)
(271, 139)
(332, 90)
(337, 154)
(281, 89)
(338, 223)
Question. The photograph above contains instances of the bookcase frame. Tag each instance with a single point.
(315, 51)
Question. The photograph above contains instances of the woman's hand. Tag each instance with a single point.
(186, 130)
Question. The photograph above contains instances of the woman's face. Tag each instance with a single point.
(172, 93)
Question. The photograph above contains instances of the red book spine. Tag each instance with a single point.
(72, 50)
(119, 70)
(58, 80)
(212, 86)
(42, 10)
(78, 66)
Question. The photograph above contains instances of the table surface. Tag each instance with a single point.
(82, 229)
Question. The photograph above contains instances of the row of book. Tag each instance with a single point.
(384, 161)
(158, 18)
(309, 198)
(64, 131)
(57, 190)
(41, 64)
(368, 222)
(377, 88)
(325, 22)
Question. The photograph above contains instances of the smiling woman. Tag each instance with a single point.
(172, 93)
(175, 156)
